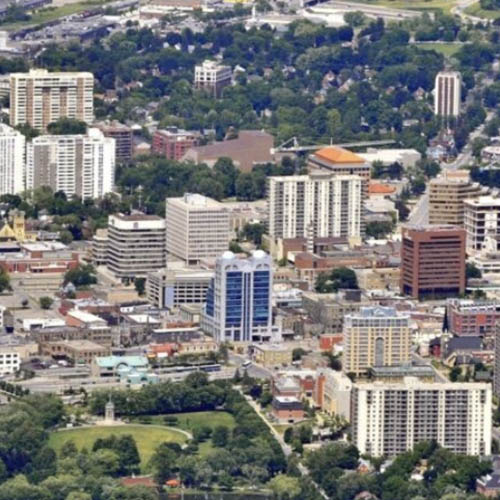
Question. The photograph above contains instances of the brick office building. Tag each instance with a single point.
(432, 261)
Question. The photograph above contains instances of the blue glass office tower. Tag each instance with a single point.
(238, 307)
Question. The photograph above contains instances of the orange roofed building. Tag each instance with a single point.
(342, 162)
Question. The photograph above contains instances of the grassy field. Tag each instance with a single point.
(192, 420)
(444, 5)
(475, 10)
(147, 437)
(447, 49)
(48, 14)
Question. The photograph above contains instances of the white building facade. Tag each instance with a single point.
(481, 220)
(81, 165)
(388, 419)
(198, 227)
(329, 204)
(12, 160)
(239, 299)
(447, 93)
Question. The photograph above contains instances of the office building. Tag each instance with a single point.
(39, 97)
(467, 317)
(447, 93)
(122, 136)
(78, 165)
(212, 77)
(340, 161)
(100, 243)
(238, 307)
(432, 261)
(376, 336)
(12, 153)
(10, 361)
(136, 245)
(388, 419)
(198, 227)
(172, 143)
(482, 219)
(320, 204)
(446, 199)
(496, 366)
(171, 288)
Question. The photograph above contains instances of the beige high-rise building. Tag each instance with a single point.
(198, 227)
(446, 198)
(326, 203)
(136, 245)
(39, 97)
(376, 336)
(388, 419)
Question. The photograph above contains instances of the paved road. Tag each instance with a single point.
(255, 371)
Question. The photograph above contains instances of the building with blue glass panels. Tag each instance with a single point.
(238, 307)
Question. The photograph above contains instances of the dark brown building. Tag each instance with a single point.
(432, 261)
(122, 136)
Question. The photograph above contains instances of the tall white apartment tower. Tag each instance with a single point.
(198, 227)
(81, 165)
(330, 204)
(238, 307)
(12, 160)
(39, 97)
(388, 419)
(376, 336)
(447, 93)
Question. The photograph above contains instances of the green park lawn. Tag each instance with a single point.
(192, 420)
(147, 437)
(447, 49)
(475, 10)
(444, 5)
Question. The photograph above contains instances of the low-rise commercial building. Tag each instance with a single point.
(471, 317)
(110, 366)
(10, 361)
(77, 351)
(287, 409)
(172, 142)
(272, 355)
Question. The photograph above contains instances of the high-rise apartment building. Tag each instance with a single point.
(340, 161)
(39, 97)
(212, 76)
(496, 367)
(447, 93)
(321, 202)
(432, 261)
(388, 419)
(197, 227)
(12, 157)
(238, 307)
(446, 199)
(122, 136)
(81, 165)
(375, 336)
(136, 245)
(482, 218)
(172, 142)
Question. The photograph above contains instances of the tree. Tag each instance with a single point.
(379, 229)
(46, 302)
(455, 372)
(140, 285)
(220, 436)
(339, 278)
(4, 280)
(162, 463)
(472, 271)
(67, 126)
(355, 19)
(81, 276)
(285, 487)
(297, 353)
